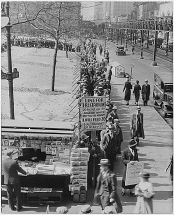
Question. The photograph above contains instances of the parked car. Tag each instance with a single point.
(120, 50)
(159, 42)
(170, 46)
(164, 46)
(163, 92)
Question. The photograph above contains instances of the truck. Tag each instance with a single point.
(163, 92)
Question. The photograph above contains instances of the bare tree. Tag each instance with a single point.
(56, 19)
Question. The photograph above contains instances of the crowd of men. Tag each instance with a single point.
(94, 76)
(40, 42)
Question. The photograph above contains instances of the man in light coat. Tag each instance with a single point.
(137, 129)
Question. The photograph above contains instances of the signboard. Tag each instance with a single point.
(132, 173)
(120, 71)
(93, 113)
(15, 74)
(3, 75)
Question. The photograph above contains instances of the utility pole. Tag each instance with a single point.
(9, 74)
(154, 63)
(167, 43)
(141, 45)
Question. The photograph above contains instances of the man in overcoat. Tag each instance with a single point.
(119, 135)
(11, 180)
(145, 92)
(108, 145)
(136, 91)
(137, 129)
(106, 188)
(113, 113)
(129, 155)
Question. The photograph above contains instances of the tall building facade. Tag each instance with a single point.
(110, 11)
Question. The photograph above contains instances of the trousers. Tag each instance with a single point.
(11, 190)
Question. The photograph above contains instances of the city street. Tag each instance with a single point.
(154, 151)
(75, 130)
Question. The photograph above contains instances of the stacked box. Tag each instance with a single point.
(79, 167)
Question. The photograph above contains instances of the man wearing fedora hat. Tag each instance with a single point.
(145, 92)
(106, 188)
(129, 155)
(107, 145)
(11, 179)
(113, 113)
(137, 129)
(119, 135)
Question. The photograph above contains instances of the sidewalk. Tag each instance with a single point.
(154, 150)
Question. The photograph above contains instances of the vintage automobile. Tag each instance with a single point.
(163, 92)
(120, 50)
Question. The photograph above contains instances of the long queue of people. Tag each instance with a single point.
(40, 42)
(95, 81)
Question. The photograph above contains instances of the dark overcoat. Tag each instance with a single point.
(136, 91)
(145, 92)
(10, 169)
(127, 88)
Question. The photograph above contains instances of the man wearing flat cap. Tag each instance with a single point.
(106, 188)
(113, 113)
(11, 180)
(107, 145)
(119, 135)
(129, 155)
(145, 92)
(137, 128)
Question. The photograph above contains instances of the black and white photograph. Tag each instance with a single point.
(87, 107)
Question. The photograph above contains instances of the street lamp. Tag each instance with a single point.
(141, 45)
(9, 74)
(154, 63)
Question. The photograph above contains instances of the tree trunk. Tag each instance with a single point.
(66, 51)
(54, 65)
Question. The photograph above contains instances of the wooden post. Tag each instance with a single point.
(93, 138)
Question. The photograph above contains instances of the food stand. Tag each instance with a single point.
(48, 178)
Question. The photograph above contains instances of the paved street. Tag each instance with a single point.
(154, 150)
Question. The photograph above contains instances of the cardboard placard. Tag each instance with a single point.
(132, 173)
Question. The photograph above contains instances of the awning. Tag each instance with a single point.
(36, 128)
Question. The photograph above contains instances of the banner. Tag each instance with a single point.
(132, 173)
(93, 113)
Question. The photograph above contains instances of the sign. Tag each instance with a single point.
(120, 71)
(3, 75)
(93, 113)
(15, 74)
(132, 173)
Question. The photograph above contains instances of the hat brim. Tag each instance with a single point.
(133, 145)
(104, 164)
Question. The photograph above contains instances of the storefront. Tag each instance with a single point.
(43, 150)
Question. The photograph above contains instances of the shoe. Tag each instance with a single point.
(132, 194)
(19, 209)
(13, 209)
